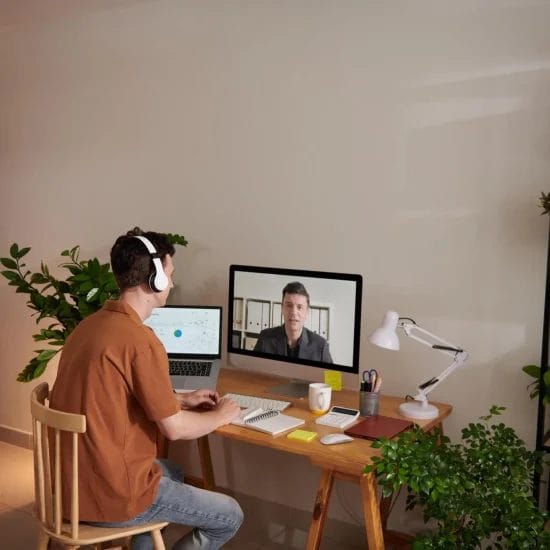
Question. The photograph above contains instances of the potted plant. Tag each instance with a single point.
(478, 491)
(66, 300)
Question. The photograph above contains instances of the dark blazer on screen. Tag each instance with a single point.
(312, 346)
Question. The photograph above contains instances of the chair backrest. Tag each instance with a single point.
(48, 427)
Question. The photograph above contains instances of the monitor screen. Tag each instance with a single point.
(304, 317)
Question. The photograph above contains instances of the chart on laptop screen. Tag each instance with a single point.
(187, 330)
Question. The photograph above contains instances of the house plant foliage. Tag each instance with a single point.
(540, 384)
(66, 300)
(477, 491)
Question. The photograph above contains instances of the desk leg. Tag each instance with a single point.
(320, 510)
(371, 512)
(206, 463)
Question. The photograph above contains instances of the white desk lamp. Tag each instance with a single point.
(386, 337)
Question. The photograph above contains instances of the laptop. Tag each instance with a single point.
(191, 336)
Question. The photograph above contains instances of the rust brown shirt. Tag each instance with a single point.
(114, 370)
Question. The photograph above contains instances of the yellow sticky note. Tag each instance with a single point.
(302, 435)
(334, 379)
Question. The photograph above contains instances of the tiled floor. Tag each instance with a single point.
(263, 529)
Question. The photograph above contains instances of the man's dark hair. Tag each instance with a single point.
(296, 288)
(130, 260)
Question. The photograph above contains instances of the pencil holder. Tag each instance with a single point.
(369, 403)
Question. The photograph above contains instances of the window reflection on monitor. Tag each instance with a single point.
(316, 321)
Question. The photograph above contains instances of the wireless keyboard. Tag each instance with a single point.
(247, 401)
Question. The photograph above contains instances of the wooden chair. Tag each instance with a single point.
(47, 481)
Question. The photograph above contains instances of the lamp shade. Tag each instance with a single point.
(386, 336)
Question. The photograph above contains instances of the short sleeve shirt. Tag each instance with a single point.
(114, 370)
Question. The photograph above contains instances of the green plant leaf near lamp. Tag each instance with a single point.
(88, 284)
(478, 491)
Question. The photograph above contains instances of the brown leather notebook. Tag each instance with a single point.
(377, 426)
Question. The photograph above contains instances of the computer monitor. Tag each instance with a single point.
(316, 323)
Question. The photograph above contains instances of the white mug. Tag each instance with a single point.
(319, 397)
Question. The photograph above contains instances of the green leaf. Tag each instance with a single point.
(34, 369)
(27, 374)
(85, 287)
(11, 275)
(80, 277)
(531, 370)
(46, 354)
(9, 263)
(38, 279)
(14, 250)
(23, 252)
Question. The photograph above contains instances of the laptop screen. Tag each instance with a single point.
(188, 331)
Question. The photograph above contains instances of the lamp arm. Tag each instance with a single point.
(447, 347)
(458, 354)
(425, 388)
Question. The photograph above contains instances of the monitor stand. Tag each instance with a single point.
(292, 388)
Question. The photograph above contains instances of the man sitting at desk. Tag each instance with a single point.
(114, 370)
(292, 339)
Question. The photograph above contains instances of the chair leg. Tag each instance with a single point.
(158, 543)
(43, 540)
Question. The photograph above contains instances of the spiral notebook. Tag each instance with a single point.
(271, 422)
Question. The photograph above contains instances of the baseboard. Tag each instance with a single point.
(16, 437)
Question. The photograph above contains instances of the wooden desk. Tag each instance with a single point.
(335, 461)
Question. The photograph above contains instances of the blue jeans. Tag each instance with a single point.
(215, 517)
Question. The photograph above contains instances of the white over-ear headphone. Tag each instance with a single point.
(158, 281)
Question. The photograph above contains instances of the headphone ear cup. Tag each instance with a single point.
(158, 281)
(151, 282)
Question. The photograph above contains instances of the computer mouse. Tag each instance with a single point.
(332, 439)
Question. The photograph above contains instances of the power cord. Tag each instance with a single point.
(356, 519)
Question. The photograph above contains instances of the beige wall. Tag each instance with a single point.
(406, 141)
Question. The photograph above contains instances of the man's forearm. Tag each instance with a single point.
(189, 424)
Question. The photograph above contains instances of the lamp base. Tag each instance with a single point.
(418, 409)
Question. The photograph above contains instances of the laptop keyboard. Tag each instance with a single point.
(182, 367)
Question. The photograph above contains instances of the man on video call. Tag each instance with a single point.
(292, 339)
